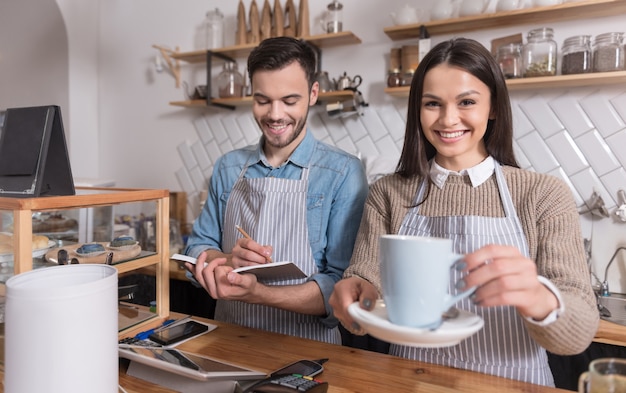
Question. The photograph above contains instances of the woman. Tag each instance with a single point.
(458, 178)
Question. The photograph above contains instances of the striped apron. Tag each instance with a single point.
(273, 211)
(503, 347)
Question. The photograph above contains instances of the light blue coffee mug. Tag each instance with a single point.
(415, 273)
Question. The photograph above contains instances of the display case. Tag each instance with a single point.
(22, 218)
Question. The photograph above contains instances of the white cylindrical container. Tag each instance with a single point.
(61, 330)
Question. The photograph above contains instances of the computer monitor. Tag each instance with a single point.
(33, 154)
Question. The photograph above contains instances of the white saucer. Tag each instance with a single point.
(451, 332)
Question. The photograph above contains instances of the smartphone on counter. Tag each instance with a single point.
(308, 368)
(177, 333)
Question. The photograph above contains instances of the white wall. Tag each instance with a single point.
(119, 102)
(33, 55)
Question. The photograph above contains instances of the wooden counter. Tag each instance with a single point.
(347, 370)
(611, 333)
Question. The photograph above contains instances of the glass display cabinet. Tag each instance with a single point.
(36, 233)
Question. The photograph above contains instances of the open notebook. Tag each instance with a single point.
(267, 271)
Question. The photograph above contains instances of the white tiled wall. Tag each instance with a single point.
(578, 135)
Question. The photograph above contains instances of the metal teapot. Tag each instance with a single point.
(324, 81)
(345, 82)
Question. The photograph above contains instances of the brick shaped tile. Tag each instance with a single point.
(202, 129)
(248, 129)
(199, 178)
(586, 182)
(614, 181)
(213, 150)
(571, 114)
(617, 143)
(334, 127)
(538, 152)
(317, 126)
(355, 127)
(367, 147)
(597, 152)
(217, 127)
(603, 115)
(521, 158)
(346, 144)
(388, 147)
(558, 172)
(184, 180)
(227, 146)
(204, 162)
(543, 119)
(619, 103)
(186, 155)
(567, 152)
(392, 123)
(521, 123)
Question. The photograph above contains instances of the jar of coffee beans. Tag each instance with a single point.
(576, 55)
(539, 53)
(608, 52)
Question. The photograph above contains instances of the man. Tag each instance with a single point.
(299, 199)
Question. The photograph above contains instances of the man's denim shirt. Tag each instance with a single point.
(336, 195)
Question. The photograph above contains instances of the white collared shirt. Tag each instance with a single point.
(478, 174)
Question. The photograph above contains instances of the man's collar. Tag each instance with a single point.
(478, 174)
(301, 156)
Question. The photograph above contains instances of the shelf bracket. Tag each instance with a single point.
(209, 67)
(173, 65)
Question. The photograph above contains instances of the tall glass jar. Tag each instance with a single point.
(576, 55)
(608, 52)
(214, 29)
(539, 53)
(230, 81)
(333, 17)
(510, 60)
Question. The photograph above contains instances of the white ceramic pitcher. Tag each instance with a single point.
(444, 9)
(472, 7)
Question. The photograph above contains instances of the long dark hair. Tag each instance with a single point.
(276, 53)
(474, 58)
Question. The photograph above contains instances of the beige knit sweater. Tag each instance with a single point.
(548, 214)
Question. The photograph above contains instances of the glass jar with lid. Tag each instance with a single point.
(394, 78)
(608, 52)
(230, 81)
(576, 55)
(334, 17)
(539, 53)
(407, 78)
(509, 58)
(214, 29)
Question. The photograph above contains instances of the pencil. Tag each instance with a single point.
(245, 234)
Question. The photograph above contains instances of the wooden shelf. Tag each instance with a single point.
(546, 82)
(562, 12)
(561, 81)
(321, 41)
(332, 96)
